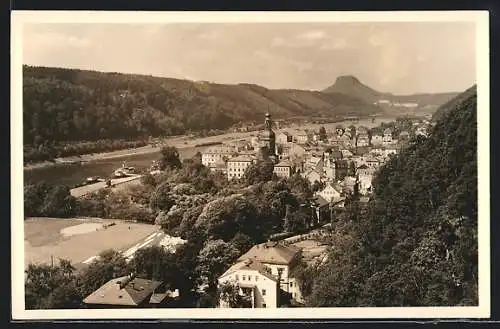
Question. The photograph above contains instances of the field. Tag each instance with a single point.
(78, 239)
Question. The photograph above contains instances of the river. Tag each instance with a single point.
(72, 174)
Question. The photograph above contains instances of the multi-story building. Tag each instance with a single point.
(254, 281)
(302, 137)
(283, 138)
(237, 166)
(216, 153)
(272, 263)
(331, 192)
(283, 169)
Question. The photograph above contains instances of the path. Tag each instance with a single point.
(86, 189)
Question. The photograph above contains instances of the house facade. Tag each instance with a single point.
(284, 169)
(216, 153)
(283, 138)
(237, 166)
(254, 281)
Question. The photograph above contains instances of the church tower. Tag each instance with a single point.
(267, 139)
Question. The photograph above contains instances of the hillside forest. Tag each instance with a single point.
(414, 243)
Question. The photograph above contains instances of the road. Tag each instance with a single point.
(154, 239)
(86, 189)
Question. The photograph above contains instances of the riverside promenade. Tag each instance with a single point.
(78, 192)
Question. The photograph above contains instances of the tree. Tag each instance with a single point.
(170, 158)
(49, 287)
(58, 202)
(322, 134)
(300, 187)
(215, 257)
(242, 242)
(170, 221)
(262, 171)
(109, 265)
(229, 294)
(161, 199)
(34, 195)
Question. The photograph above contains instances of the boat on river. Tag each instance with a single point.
(124, 171)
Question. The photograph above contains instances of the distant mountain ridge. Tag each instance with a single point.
(71, 105)
(352, 86)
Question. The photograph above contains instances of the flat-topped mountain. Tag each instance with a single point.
(352, 86)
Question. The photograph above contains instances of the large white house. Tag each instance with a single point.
(216, 153)
(255, 281)
(264, 271)
(331, 193)
(284, 169)
(237, 166)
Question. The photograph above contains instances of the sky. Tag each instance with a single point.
(396, 57)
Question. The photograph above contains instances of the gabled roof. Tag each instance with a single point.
(272, 253)
(321, 201)
(363, 166)
(284, 133)
(250, 265)
(123, 291)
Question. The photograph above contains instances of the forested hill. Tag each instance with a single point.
(72, 105)
(450, 105)
(416, 245)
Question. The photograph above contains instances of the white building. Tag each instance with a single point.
(284, 169)
(302, 137)
(254, 281)
(280, 260)
(377, 140)
(216, 153)
(237, 166)
(387, 136)
(312, 176)
(331, 192)
(283, 138)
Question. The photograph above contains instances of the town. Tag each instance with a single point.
(336, 164)
(253, 165)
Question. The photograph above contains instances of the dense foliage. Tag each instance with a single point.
(41, 199)
(67, 105)
(417, 243)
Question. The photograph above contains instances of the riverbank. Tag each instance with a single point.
(186, 142)
(178, 142)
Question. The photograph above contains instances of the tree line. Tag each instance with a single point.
(415, 244)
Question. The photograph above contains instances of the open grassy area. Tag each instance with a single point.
(43, 238)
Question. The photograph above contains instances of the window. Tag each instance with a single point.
(237, 277)
(256, 278)
(244, 277)
(291, 284)
(264, 305)
(263, 292)
(249, 278)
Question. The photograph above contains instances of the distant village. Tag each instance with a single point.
(335, 160)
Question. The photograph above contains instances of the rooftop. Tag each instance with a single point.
(250, 264)
(272, 253)
(241, 158)
(124, 291)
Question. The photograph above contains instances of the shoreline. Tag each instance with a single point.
(179, 142)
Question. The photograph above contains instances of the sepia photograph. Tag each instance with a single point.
(235, 164)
